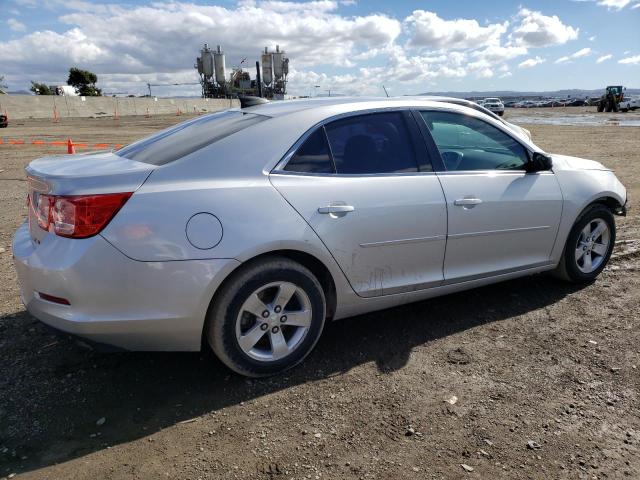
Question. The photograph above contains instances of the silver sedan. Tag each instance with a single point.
(250, 228)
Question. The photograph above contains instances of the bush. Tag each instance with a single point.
(84, 82)
(40, 89)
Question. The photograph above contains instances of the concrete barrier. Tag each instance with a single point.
(43, 106)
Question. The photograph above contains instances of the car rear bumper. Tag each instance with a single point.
(112, 299)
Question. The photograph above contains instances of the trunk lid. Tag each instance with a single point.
(91, 173)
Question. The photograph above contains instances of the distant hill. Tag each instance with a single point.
(567, 93)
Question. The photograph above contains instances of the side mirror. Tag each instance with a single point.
(540, 162)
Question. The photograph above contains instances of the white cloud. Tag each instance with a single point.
(635, 60)
(583, 52)
(158, 43)
(538, 30)
(497, 53)
(430, 31)
(592, 38)
(16, 25)
(604, 58)
(531, 62)
(168, 37)
(613, 4)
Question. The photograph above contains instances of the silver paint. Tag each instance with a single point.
(142, 285)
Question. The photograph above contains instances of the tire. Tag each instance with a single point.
(500, 114)
(256, 287)
(600, 107)
(575, 269)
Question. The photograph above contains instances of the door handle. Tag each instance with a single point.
(329, 209)
(467, 202)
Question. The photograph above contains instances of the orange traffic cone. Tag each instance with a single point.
(70, 148)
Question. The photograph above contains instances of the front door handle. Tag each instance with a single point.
(336, 209)
(467, 202)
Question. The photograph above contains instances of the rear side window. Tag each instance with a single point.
(185, 138)
(313, 155)
(372, 143)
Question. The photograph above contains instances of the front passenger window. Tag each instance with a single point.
(468, 143)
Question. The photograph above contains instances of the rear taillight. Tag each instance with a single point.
(77, 216)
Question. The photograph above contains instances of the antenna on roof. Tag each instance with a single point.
(385, 91)
(247, 101)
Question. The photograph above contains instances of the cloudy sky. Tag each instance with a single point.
(348, 46)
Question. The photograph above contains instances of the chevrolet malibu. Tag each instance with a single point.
(250, 228)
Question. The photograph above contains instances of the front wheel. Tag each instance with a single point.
(267, 318)
(589, 246)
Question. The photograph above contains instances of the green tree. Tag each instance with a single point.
(84, 82)
(40, 88)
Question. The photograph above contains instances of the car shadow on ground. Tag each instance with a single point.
(53, 391)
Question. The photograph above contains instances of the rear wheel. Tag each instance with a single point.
(588, 246)
(267, 318)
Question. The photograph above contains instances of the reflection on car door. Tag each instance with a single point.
(500, 218)
(381, 211)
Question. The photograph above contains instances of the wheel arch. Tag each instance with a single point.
(314, 264)
(612, 203)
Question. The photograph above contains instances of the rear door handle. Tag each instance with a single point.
(336, 209)
(467, 202)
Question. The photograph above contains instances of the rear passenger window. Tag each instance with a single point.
(372, 143)
(312, 156)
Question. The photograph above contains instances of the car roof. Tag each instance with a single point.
(336, 105)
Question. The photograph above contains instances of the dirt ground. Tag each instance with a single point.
(527, 379)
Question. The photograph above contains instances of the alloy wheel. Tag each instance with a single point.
(273, 321)
(592, 246)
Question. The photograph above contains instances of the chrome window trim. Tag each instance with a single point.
(493, 172)
(350, 175)
(279, 168)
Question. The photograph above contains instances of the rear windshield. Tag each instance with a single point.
(187, 137)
